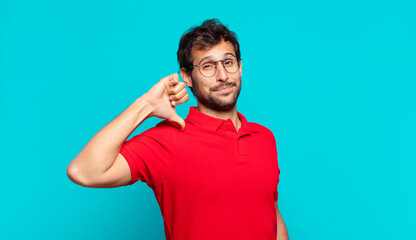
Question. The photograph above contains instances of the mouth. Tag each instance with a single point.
(224, 88)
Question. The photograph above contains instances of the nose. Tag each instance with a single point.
(221, 74)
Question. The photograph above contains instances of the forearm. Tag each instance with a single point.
(100, 152)
(282, 231)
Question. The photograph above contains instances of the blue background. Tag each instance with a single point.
(334, 81)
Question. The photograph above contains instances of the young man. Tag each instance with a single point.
(214, 175)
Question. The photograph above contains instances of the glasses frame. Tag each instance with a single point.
(222, 61)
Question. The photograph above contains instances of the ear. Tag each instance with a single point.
(186, 77)
(241, 67)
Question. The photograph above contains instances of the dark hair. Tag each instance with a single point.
(210, 33)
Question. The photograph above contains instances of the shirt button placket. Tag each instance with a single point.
(237, 147)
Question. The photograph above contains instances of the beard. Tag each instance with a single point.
(214, 102)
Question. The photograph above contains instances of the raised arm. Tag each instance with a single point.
(99, 163)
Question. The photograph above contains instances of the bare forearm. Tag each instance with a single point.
(281, 226)
(282, 231)
(99, 153)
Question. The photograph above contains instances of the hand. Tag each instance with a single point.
(164, 96)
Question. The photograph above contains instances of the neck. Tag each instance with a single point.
(232, 114)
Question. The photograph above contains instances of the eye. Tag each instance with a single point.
(208, 65)
(228, 63)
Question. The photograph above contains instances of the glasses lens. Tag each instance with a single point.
(231, 65)
(207, 68)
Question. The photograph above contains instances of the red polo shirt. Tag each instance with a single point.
(211, 182)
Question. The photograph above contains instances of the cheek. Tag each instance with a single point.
(201, 85)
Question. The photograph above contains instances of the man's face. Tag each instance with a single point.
(220, 91)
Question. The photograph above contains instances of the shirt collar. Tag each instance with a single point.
(198, 118)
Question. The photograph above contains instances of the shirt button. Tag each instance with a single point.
(227, 123)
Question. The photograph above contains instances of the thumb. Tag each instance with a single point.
(178, 121)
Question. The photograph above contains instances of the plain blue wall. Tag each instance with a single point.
(334, 81)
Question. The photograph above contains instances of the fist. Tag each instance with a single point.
(164, 96)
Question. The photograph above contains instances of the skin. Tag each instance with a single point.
(222, 89)
(100, 165)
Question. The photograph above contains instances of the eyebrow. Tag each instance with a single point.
(211, 58)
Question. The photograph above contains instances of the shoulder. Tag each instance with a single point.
(159, 138)
(261, 130)
(263, 137)
(164, 130)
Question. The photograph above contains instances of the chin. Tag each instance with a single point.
(219, 104)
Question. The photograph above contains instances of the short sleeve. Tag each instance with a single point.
(275, 195)
(144, 157)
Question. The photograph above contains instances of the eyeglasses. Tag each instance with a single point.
(209, 68)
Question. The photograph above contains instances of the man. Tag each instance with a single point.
(214, 175)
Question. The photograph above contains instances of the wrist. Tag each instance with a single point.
(142, 108)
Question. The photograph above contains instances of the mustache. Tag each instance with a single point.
(224, 84)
